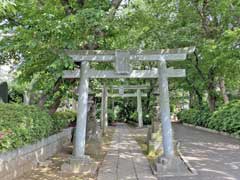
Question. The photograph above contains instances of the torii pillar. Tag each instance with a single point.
(79, 162)
(104, 106)
(168, 163)
(165, 111)
(139, 108)
(80, 133)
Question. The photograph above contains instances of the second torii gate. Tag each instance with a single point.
(122, 93)
(123, 70)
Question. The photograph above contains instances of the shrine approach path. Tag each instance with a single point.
(125, 160)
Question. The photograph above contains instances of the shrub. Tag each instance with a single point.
(22, 124)
(62, 119)
(226, 118)
(188, 116)
(134, 116)
(111, 116)
(197, 117)
(203, 116)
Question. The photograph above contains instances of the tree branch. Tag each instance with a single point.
(203, 15)
(195, 90)
(197, 66)
(116, 3)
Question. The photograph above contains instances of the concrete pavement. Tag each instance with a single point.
(125, 160)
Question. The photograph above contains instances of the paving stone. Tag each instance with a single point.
(124, 160)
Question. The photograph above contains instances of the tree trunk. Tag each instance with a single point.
(42, 100)
(116, 3)
(44, 96)
(55, 105)
(223, 91)
(195, 91)
(191, 99)
(211, 101)
(212, 98)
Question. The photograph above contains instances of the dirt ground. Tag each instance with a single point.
(52, 170)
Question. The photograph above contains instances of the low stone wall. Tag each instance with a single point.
(15, 163)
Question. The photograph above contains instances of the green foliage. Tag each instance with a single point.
(43, 28)
(16, 92)
(198, 117)
(62, 119)
(111, 116)
(226, 118)
(134, 116)
(22, 124)
(188, 116)
(7, 6)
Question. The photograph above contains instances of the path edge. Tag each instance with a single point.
(184, 159)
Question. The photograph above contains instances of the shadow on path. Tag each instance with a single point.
(216, 157)
(125, 160)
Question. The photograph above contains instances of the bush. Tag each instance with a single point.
(134, 117)
(203, 116)
(111, 116)
(22, 124)
(62, 119)
(226, 118)
(188, 116)
(198, 117)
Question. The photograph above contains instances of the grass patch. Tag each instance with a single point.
(152, 155)
(140, 135)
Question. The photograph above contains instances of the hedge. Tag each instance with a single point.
(22, 124)
(62, 119)
(225, 119)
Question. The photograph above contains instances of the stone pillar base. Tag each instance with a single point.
(79, 165)
(169, 167)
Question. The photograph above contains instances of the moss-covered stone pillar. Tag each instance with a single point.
(93, 135)
(154, 131)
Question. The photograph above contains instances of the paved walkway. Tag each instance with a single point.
(216, 157)
(124, 160)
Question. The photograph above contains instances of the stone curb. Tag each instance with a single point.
(190, 167)
(212, 131)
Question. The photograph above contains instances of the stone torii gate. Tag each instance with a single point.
(122, 60)
(122, 94)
